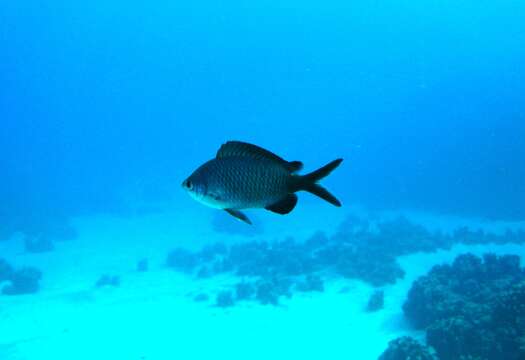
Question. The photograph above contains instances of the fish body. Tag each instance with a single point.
(244, 176)
(241, 183)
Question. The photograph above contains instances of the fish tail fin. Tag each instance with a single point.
(309, 182)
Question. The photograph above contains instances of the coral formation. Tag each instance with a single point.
(23, 281)
(312, 282)
(224, 299)
(6, 270)
(142, 265)
(204, 272)
(270, 290)
(473, 308)
(406, 348)
(108, 280)
(244, 290)
(376, 301)
(360, 249)
(38, 244)
(182, 260)
(19, 281)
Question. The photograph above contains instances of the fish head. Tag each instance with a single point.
(198, 186)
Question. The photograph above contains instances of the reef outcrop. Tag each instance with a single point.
(6, 270)
(472, 309)
(23, 281)
(360, 249)
(107, 280)
(407, 348)
(38, 244)
(376, 301)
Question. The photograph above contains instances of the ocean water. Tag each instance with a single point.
(107, 106)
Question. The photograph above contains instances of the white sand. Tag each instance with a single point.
(152, 315)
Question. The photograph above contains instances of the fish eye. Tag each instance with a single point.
(189, 185)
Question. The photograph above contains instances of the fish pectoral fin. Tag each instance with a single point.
(239, 215)
(284, 206)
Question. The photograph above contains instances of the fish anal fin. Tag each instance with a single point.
(239, 215)
(284, 206)
(239, 148)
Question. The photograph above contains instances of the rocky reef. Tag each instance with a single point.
(472, 309)
(19, 281)
(360, 249)
(6, 271)
(108, 280)
(224, 299)
(376, 301)
(38, 244)
(406, 348)
(142, 265)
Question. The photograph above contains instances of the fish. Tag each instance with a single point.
(245, 176)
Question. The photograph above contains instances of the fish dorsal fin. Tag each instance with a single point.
(295, 166)
(239, 148)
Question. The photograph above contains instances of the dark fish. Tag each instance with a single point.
(246, 176)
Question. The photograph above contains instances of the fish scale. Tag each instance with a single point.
(243, 181)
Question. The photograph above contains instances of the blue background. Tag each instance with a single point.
(424, 100)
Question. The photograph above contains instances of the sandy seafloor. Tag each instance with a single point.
(152, 315)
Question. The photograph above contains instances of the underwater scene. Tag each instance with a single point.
(262, 180)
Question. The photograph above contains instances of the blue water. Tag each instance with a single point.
(424, 100)
(108, 104)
